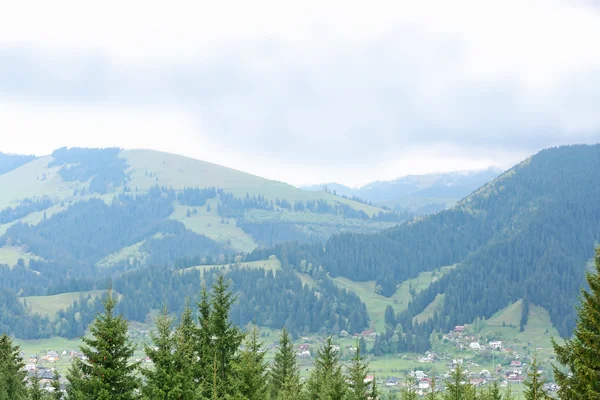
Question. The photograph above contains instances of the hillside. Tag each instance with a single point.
(74, 220)
(527, 234)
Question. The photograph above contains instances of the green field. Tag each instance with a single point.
(127, 253)
(376, 303)
(50, 305)
(436, 305)
(272, 264)
(10, 255)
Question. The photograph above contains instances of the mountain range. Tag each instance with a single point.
(422, 194)
(155, 226)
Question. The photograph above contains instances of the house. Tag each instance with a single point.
(304, 354)
(459, 328)
(424, 384)
(515, 363)
(420, 375)
(475, 346)
(391, 382)
(30, 367)
(496, 345)
(303, 346)
(369, 379)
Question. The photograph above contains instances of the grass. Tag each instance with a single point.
(272, 264)
(50, 305)
(436, 305)
(208, 223)
(130, 253)
(10, 255)
(178, 172)
(376, 303)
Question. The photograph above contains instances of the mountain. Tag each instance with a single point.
(8, 162)
(527, 235)
(422, 194)
(73, 220)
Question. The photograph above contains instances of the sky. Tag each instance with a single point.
(304, 92)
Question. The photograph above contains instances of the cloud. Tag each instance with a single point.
(354, 92)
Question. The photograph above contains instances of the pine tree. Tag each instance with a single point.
(35, 390)
(107, 372)
(374, 393)
(162, 380)
(409, 392)
(326, 381)
(534, 383)
(357, 374)
(285, 374)
(580, 354)
(251, 369)
(185, 356)
(225, 338)
(12, 376)
(432, 395)
(57, 393)
(455, 388)
(203, 368)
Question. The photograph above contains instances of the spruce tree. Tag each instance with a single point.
(432, 395)
(580, 354)
(225, 339)
(409, 392)
(250, 370)
(326, 381)
(203, 368)
(185, 356)
(455, 388)
(35, 390)
(534, 383)
(357, 374)
(374, 393)
(161, 381)
(285, 373)
(12, 376)
(57, 393)
(106, 372)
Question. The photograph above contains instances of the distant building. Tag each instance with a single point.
(496, 345)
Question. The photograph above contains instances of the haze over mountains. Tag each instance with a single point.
(159, 224)
(419, 193)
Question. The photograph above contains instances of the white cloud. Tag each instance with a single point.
(296, 91)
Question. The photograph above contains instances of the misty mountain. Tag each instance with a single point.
(420, 193)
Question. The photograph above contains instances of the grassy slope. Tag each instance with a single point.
(178, 172)
(209, 224)
(126, 253)
(376, 303)
(50, 305)
(436, 305)
(9, 255)
(272, 264)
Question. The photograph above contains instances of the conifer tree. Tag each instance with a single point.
(225, 338)
(35, 390)
(357, 374)
(12, 376)
(455, 387)
(580, 354)
(409, 392)
(186, 357)
(285, 373)
(250, 370)
(374, 394)
(534, 383)
(107, 372)
(57, 393)
(432, 395)
(203, 368)
(162, 380)
(326, 381)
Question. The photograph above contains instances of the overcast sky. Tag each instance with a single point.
(314, 92)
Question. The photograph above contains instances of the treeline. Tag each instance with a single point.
(204, 356)
(26, 207)
(270, 299)
(103, 167)
(9, 162)
(512, 239)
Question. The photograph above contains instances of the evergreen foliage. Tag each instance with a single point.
(250, 369)
(12, 377)
(107, 373)
(580, 354)
(534, 384)
(285, 374)
(357, 374)
(326, 381)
